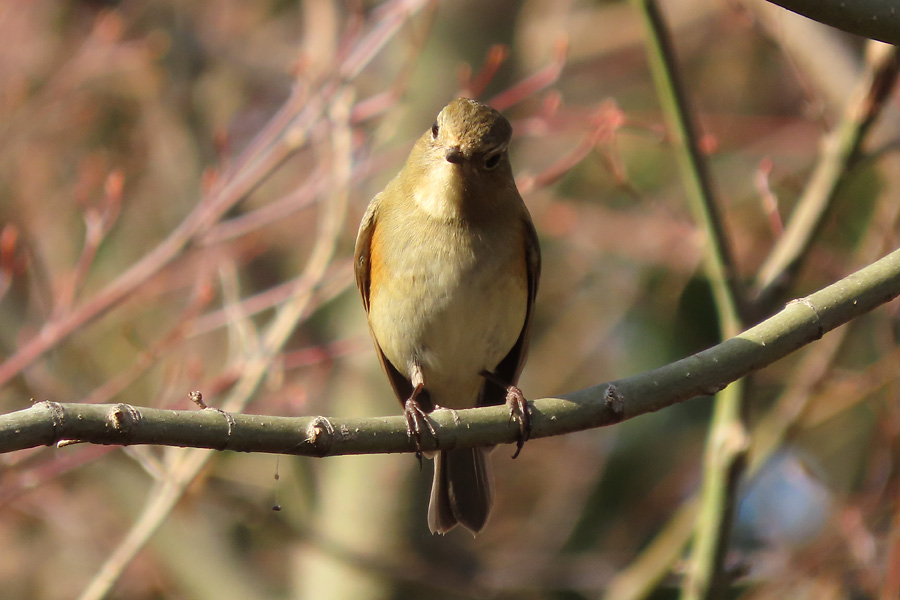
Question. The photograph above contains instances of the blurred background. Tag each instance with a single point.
(125, 129)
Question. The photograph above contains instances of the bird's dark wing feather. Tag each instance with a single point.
(363, 269)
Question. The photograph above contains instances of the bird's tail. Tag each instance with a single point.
(463, 490)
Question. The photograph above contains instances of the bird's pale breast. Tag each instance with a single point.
(448, 295)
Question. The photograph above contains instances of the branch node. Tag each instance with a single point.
(197, 398)
(122, 418)
(320, 434)
(614, 402)
(229, 420)
(732, 441)
(820, 330)
(57, 418)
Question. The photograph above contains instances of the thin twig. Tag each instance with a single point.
(187, 464)
(536, 81)
(272, 148)
(840, 151)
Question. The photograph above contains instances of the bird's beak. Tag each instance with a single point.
(455, 155)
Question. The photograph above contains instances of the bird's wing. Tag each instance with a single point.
(362, 253)
(362, 267)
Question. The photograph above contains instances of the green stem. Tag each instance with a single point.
(726, 450)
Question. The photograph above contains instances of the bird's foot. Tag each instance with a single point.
(415, 416)
(519, 409)
(520, 412)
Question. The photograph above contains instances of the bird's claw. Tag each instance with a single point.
(415, 416)
(519, 409)
(520, 412)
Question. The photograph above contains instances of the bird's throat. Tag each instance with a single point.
(443, 192)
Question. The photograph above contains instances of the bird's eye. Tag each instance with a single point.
(434, 130)
(492, 160)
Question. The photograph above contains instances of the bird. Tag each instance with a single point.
(447, 262)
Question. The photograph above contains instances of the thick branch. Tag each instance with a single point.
(704, 373)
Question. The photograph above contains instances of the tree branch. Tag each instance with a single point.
(799, 323)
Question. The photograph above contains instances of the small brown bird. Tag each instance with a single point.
(447, 262)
